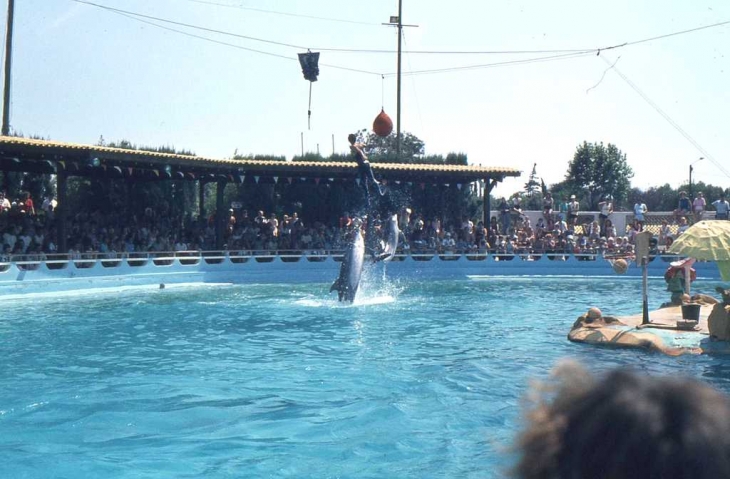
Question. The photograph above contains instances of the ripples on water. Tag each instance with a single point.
(414, 380)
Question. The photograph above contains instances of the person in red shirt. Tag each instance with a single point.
(28, 205)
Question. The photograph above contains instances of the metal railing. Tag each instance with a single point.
(191, 258)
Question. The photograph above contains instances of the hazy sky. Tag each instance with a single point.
(81, 71)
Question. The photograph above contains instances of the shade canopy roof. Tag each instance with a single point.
(43, 156)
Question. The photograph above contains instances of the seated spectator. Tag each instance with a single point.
(4, 203)
(624, 425)
(684, 207)
(683, 225)
(605, 208)
(573, 209)
(594, 230)
(698, 207)
(540, 226)
(611, 244)
(26, 205)
(547, 209)
(664, 231)
(561, 226)
(633, 231)
(609, 229)
(563, 209)
(504, 214)
(640, 210)
(7, 253)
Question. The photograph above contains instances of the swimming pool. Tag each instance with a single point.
(415, 380)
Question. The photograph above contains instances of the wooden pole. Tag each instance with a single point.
(8, 58)
(645, 287)
(400, 37)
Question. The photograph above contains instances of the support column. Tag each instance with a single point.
(487, 202)
(201, 200)
(220, 215)
(61, 211)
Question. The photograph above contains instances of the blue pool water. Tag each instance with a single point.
(416, 380)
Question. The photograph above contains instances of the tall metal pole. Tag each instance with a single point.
(644, 290)
(8, 57)
(690, 178)
(397, 117)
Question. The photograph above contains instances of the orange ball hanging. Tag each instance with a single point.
(383, 125)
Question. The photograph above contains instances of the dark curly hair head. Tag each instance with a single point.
(624, 426)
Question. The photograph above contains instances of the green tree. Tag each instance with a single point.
(597, 170)
(384, 149)
(533, 197)
(656, 198)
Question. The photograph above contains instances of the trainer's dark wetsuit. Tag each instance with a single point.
(366, 172)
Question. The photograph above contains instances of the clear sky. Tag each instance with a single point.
(80, 71)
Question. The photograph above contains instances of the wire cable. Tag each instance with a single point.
(414, 52)
(415, 91)
(604, 75)
(664, 115)
(496, 64)
(232, 45)
(659, 37)
(188, 25)
(564, 54)
(287, 14)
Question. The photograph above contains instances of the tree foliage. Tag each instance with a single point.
(385, 149)
(597, 170)
(533, 191)
(666, 198)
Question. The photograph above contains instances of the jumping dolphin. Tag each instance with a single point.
(391, 239)
(350, 269)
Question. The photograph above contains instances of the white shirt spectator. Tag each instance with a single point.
(722, 208)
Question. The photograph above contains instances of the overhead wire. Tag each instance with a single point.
(664, 115)
(232, 45)
(667, 35)
(558, 54)
(150, 20)
(188, 25)
(287, 14)
(466, 52)
(415, 91)
(561, 54)
(388, 51)
(496, 64)
(302, 47)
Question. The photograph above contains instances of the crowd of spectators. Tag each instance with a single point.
(29, 234)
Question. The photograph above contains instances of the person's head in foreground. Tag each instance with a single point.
(624, 425)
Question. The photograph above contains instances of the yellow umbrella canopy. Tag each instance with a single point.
(709, 241)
